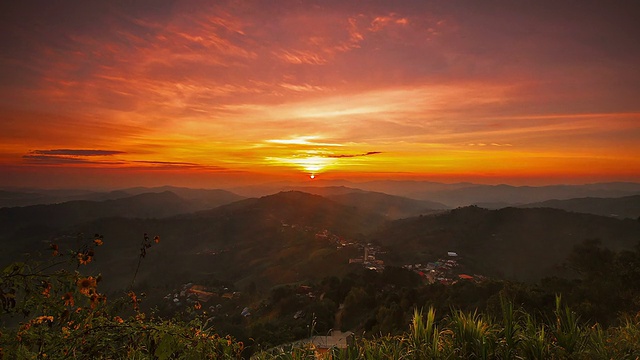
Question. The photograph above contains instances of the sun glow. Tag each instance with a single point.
(311, 164)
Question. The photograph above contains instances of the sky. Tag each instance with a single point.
(221, 93)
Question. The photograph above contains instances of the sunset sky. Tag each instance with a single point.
(220, 93)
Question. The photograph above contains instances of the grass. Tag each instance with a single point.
(472, 335)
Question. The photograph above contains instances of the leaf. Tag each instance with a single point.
(166, 347)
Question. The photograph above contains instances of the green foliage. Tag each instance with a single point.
(471, 335)
(51, 310)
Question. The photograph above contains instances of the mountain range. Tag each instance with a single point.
(292, 236)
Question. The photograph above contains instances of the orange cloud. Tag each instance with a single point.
(286, 88)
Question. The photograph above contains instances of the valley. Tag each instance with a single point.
(334, 256)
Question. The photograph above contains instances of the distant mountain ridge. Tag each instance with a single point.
(296, 207)
(391, 206)
(522, 244)
(451, 195)
(142, 205)
(622, 207)
(27, 197)
(456, 194)
(517, 195)
(272, 240)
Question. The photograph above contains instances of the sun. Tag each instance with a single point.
(312, 176)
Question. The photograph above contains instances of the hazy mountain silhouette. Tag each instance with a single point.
(517, 195)
(454, 195)
(623, 207)
(392, 207)
(272, 240)
(27, 197)
(207, 198)
(295, 207)
(144, 205)
(523, 244)
(325, 190)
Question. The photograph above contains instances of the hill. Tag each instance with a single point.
(455, 194)
(623, 207)
(390, 206)
(27, 197)
(521, 244)
(42, 219)
(274, 239)
(267, 241)
(200, 198)
(516, 195)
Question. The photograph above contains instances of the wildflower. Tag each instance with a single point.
(41, 319)
(85, 257)
(197, 306)
(87, 286)
(46, 292)
(156, 239)
(94, 300)
(134, 300)
(68, 299)
(54, 247)
(98, 242)
(118, 319)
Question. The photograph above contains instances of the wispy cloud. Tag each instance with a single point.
(73, 156)
(339, 156)
(54, 159)
(301, 57)
(78, 152)
(171, 165)
(186, 85)
(490, 144)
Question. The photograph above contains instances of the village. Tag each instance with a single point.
(226, 304)
(444, 270)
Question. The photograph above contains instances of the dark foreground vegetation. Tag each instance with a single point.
(52, 309)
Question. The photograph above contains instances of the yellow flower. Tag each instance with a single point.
(134, 300)
(47, 289)
(87, 286)
(94, 300)
(68, 299)
(85, 257)
(41, 319)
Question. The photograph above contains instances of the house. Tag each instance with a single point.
(201, 293)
